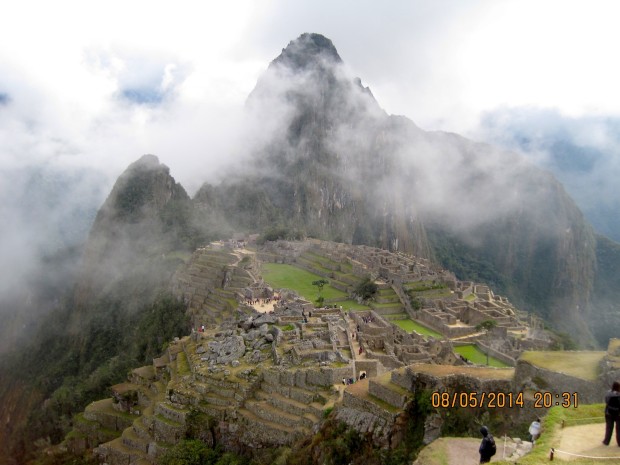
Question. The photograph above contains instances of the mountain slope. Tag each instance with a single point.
(332, 164)
(119, 315)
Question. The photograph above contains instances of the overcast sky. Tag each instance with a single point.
(101, 83)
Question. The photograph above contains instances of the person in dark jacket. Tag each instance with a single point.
(487, 446)
(612, 413)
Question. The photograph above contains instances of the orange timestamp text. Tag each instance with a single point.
(500, 399)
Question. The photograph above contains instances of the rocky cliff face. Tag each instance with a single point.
(331, 163)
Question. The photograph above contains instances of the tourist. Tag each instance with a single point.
(612, 413)
(534, 430)
(487, 446)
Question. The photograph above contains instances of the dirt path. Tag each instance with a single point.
(356, 346)
(462, 451)
(586, 440)
(451, 451)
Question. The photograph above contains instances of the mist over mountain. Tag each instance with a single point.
(582, 152)
(322, 159)
(334, 165)
(46, 212)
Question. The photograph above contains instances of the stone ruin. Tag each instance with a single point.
(266, 379)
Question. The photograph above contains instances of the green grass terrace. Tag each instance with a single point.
(409, 325)
(474, 354)
(580, 364)
(281, 276)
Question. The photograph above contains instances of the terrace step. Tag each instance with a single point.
(389, 392)
(140, 429)
(116, 452)
(274, 432)
(143, 376)
(268, 412)
(132, 441)
(104, 413)
(283, 403)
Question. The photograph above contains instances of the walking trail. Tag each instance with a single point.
(581, 440)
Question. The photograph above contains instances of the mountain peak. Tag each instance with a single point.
(308, 50)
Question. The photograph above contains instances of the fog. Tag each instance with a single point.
(582, 152)
(86, 90)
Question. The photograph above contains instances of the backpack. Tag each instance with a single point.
(613, 406)
(488, 449)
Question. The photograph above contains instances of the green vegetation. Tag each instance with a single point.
(421, 286)
(486, 325)
(410, 325)
(298, 280)
(582, 365)
(277, 233)
(366, 289)
(183, 368)
(351, 305)
(562, 341)
(474, 354)
(319, 283)
(73, 370)
(337, 444)
(436, 452)
(195, 452)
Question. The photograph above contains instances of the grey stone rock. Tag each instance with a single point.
(265, 318)
(227, 350)
(251, 335)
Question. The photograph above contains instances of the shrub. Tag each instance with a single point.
(366, 289)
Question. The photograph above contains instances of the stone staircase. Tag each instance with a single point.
(387, 302)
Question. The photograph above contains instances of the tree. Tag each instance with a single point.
(366, 289)
(320, 283)
(486, 326)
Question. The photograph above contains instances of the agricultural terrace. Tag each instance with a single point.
(580, 364)
(282, 276)
(409, 325)
(473, 353)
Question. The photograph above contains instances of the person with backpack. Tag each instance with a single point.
(612, 413)
(487, 446)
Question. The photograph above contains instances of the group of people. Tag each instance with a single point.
(612, 419)
(488, 447)
(347, 381)
(264, 301)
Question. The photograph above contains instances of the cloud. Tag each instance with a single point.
(582, 152)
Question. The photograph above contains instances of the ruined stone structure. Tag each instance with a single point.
(266, 379)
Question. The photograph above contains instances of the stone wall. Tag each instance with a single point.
(388, 395)
(497, 354)
(371, 367)
(530, 376)
(351, 401)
